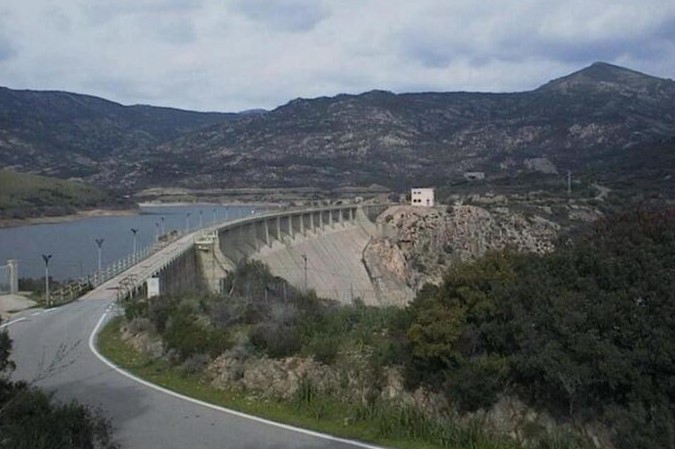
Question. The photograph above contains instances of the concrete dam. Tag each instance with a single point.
(319, 249)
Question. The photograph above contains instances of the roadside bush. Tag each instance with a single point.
(138, 325)
(160, 309)
(134, 309)
(32, 420)
(187, 337)
(324, 348)
(195, 364)
(275, 340)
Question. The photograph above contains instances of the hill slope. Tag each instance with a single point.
(27, 196)
(575, 123)
(592, 121)
(71, 135)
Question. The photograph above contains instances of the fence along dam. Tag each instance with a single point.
(320, 249)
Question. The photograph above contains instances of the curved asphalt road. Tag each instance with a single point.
(53, 347)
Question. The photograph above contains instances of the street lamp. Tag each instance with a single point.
(135, 232)
(304, 258)
(99, 244)
(46, 258)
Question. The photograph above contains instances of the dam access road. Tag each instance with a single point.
(55, 349)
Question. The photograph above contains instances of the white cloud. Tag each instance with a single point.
(285, 15)
(240, 54)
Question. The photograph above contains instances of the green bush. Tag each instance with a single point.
(584, 332)
(186, 336)
(324, 348)
(276, 340)
(31, 419)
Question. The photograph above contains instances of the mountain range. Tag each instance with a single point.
(605, 120)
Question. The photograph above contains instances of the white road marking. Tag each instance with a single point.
(9, 323)
(92, 347)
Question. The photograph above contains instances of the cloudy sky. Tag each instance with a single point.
(231, 55)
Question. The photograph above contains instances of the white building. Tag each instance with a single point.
(422, 197)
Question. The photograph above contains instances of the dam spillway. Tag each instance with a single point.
(318, 249)
(334, 267)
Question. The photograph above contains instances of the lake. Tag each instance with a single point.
(73, 244)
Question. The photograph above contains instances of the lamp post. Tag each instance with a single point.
(46, 258)
(99, 244)
(304, 258)
(135, 232)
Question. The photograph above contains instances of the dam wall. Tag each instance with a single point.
(315, 249)
(328, 261)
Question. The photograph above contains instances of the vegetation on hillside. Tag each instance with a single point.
(585, 332)
(26, 196)
(31, 419)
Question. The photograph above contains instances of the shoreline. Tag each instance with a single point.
(90, 213)
(207, 204)
(17, 222)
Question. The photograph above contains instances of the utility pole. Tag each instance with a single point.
(46, 258)
(99, 244)
(304, 258)
(135, 232)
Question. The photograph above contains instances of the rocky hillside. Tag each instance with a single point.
(592, 122)
(575, 123)
(71, 135)
(421, 243)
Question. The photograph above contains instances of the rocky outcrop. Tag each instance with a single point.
(354, 381)
(425, 241)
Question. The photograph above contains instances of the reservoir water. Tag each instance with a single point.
(73, 247)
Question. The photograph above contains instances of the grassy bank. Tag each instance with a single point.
(24, 196)
(382, 425)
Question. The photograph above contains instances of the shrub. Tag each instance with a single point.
(188, 338)
(32, 420)
(276, 340)
(324, 348)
